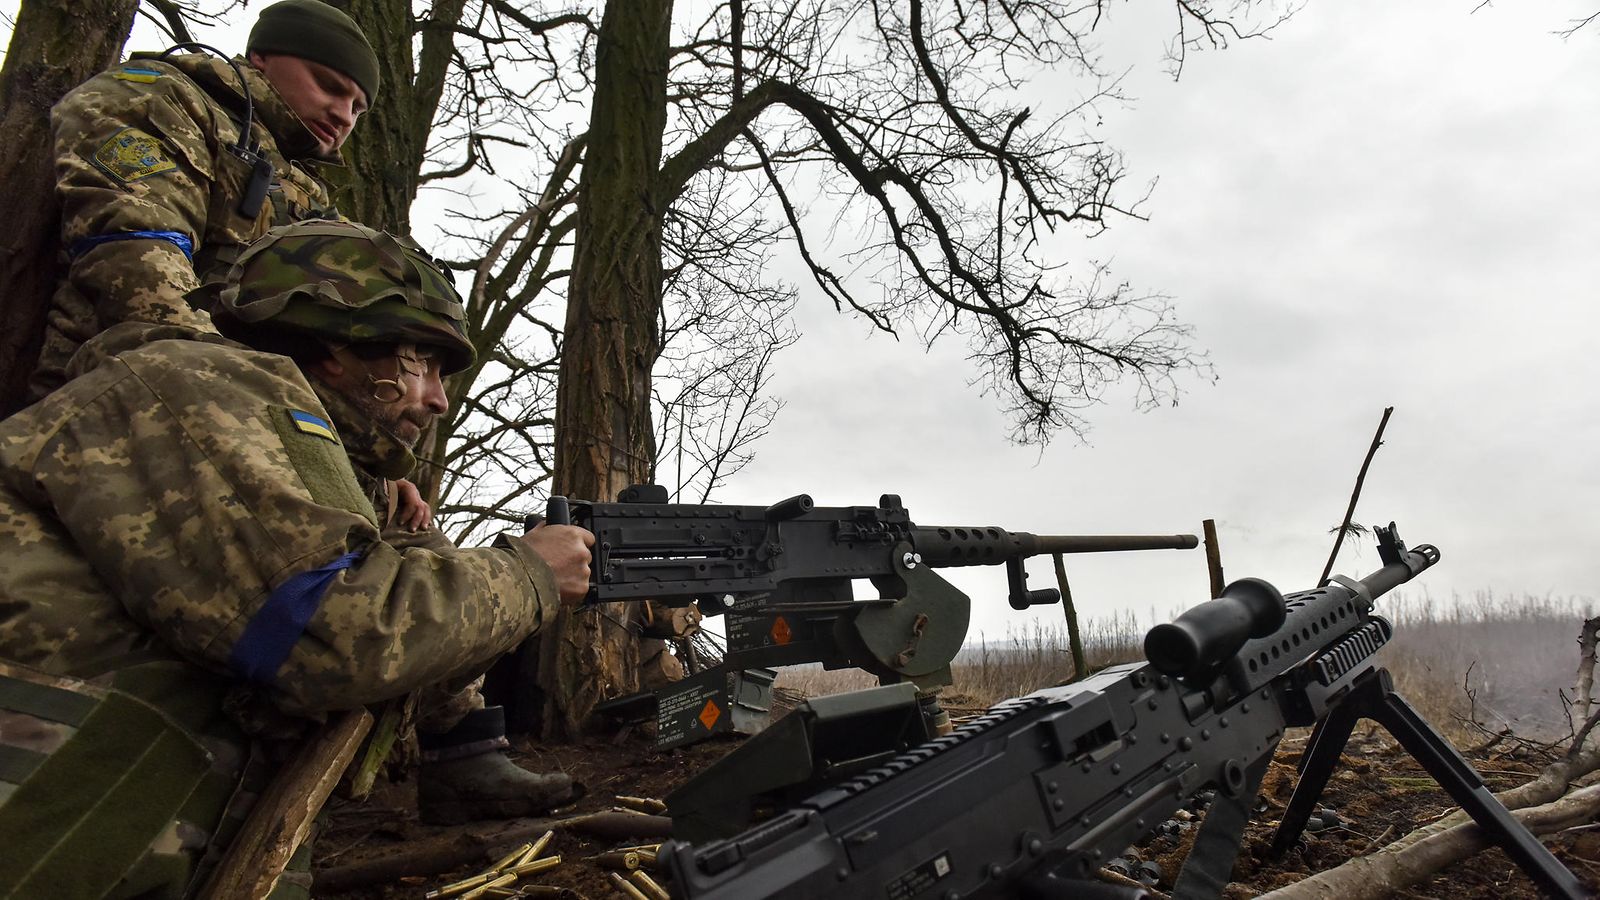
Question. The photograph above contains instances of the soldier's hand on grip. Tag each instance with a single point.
(566, 549)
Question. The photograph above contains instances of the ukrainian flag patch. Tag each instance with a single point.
(132, 73)
(311, 447)
(307, 423)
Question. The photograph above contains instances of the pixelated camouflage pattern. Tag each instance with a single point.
(194, 108)
(151, 502)
(344, 283)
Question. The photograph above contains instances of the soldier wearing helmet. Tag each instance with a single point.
(376, 324)
(168, 164)
(192, 538)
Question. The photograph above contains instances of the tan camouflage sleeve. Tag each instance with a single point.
(202, 485)
(133, 177)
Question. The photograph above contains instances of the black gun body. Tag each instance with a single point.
(682, 551)
(1058, 781)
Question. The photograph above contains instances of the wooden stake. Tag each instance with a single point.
(1213, 558)
(1080, 666)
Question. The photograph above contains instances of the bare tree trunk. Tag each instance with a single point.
(604, 437)
(54, 47)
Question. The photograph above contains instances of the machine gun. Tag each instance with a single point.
(1030, 799)
(781, 576)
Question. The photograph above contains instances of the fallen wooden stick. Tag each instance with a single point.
(284, 813)
(1390, 870)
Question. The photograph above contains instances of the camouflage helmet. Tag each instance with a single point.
(343, 283)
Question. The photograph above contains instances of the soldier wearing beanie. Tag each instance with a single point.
(162, 181)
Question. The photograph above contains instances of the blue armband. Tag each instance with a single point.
(272, 632)
(176, 238)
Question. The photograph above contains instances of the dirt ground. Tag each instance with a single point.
(1377, 796)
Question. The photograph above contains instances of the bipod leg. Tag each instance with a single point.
(1317, 764)
(1462, 782)
(1316, 736)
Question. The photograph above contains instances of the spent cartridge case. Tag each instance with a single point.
(536, 848)
(619, 859)
(643, 804)
(649, 885)
(510, 859)
(487, 886)
(626, 887)
(535, 866)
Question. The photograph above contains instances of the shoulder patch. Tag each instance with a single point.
(317, 456)
(308, 423)
(134, 73)
(132, 154)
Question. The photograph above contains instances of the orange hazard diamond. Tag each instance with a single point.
(710, 715)
(780, 631)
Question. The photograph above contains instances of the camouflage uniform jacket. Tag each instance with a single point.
(192, 498)
(150, 190)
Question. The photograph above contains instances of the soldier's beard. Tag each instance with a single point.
(404, 425)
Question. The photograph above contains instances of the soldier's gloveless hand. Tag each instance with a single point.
(413, 512)
(565, 548)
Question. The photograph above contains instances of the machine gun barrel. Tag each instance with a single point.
(1105, 543)
(941, 546)
(946, 545)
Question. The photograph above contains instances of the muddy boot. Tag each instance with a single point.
(466, 776)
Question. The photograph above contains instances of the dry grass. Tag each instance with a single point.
(1516, 655)
(1507, 661)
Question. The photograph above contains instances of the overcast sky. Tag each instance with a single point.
(1384, 204)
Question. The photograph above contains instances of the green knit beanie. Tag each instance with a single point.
(311, 29)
